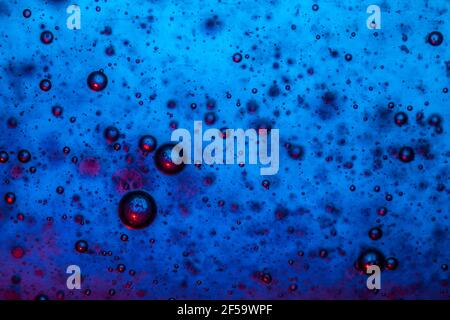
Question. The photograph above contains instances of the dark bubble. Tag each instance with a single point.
(370, 257)
(435, 38)
(81, 246)
(382, 211)
(375, 233)
(10, 197)
(57, 111)
(46, 37)
(406, 154)
(121, 268)
(24, 156)
(97, 81)
(45, 85)
(210, 118)
(400, 118)
(147, 143)
(237, 57)
(111, 134)
(4, 156)
(434, 120)
(163, 160)
(295, 152)
(26, 13)
(391, 263)
(137, 209)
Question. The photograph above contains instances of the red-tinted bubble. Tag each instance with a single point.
(400, 118)
(111, 134)
(382, 211)
(12, 123)
(406, 154)
(295, 152)
(265, 277)
(147, 143)
(171, 104)
(10, 197)
(24, 156)
(375, 233)
(66, 150)
(163, 160)
(391, 263)
(210, 118)
(57, 111)
(435, 38)
(45, 85)
(434, 120)
(368, 258)
(26, 13)
(237, 57)
(46, 37)
(121, 268)
(81, 246)
(4, 156)
(17, 252)
(97, 81)
(137, 209)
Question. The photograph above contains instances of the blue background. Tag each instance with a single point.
(330, 107)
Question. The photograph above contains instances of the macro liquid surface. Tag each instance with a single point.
(86, 177)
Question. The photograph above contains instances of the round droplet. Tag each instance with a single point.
(434, 120)
(57, 111)
(26, 13)
(406, 154)
(391, 263)
(4, 156)
(137, 209)
(375, 233)
(24, 156)
(295, 152)
(17, 252)
(237, 57)
(45, 85)
(121, 268)
(111, 134)
(10, 197)
(382, 211)
(210, 118)
(435, 38)
(163, 160)
(81, 246)
(368, 258)
(97, 81)
(46, 37)
(400, 118)
(147, 143)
